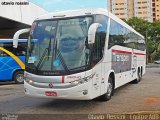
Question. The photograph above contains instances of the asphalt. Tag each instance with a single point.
(130, 98)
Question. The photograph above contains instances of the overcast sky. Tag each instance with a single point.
(57, 5)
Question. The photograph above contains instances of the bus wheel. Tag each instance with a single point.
(18, 77)
(110, 88)
(139, 77)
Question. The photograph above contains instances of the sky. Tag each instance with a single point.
(58, 5)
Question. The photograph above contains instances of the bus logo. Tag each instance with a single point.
(50, 85)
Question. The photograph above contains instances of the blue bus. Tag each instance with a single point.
(12, 60)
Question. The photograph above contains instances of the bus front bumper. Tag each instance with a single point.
(80, 92)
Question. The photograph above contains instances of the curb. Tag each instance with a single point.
(153, 66)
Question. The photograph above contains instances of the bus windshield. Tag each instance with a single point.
(59, 45)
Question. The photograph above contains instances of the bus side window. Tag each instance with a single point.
(8, 46)
(21, 50)
(2, 54)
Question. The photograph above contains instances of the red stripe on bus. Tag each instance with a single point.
(120, 51)
(62, 79)
(139, 54)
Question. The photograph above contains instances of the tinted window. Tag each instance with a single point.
(116, 36)
(120, 35)
(21, 50)
(98, 48)
(7, 46)
(141, 44)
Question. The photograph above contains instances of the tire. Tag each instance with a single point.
(110, 90)
(18, 77)
(139, 77)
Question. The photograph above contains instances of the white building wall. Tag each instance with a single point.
(21, 13)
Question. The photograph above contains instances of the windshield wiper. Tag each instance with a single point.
(47, 50)
(57, 52)
(62, 60)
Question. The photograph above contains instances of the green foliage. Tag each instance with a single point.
(151, 32)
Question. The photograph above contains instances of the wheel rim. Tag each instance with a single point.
(139, 74)
(109, 89)
(20, 78)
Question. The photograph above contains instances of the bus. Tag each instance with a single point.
(12, 60)
(81, 55)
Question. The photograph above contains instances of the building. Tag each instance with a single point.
(156, 9)
(14, 16)
(146, 9)
(143, 9)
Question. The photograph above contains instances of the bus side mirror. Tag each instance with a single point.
(17, 34)
(92, 32)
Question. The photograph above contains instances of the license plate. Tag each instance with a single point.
(50, 93)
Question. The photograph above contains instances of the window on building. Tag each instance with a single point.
(144, 2)
(122, 13)
(154, 9)
(144, 7)
(154, 14)
(121, 8)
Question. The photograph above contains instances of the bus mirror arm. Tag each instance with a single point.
(17, 34)
(92, 32)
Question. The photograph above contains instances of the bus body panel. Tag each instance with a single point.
(11, 59)
(8, 67)
(62, 91)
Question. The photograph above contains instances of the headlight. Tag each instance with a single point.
(83, 80)
(28, 81)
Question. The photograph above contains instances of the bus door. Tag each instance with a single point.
(98, 51)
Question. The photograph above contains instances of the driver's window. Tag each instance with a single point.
(98, 47)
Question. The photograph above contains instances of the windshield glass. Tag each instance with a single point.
(59, 45)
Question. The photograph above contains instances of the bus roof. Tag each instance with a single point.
(72, 13)
(11, 40)
(81, 12)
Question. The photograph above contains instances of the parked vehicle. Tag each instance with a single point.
(82, 54)
(12, 60)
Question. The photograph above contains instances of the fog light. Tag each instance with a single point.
(30, 82)
(25, 90)
(75, 82)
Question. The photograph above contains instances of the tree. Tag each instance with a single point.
(151, 32)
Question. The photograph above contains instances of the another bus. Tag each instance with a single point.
(82, 54)
(12, 60)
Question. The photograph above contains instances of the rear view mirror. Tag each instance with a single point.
(92, 32)
(16, 36)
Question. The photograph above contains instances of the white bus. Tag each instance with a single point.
(81, 55)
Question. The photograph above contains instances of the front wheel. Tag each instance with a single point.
(18, 77)
(110, 88)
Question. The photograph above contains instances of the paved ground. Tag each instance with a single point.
(144, 96)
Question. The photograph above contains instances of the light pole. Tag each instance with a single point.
(146, 46)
